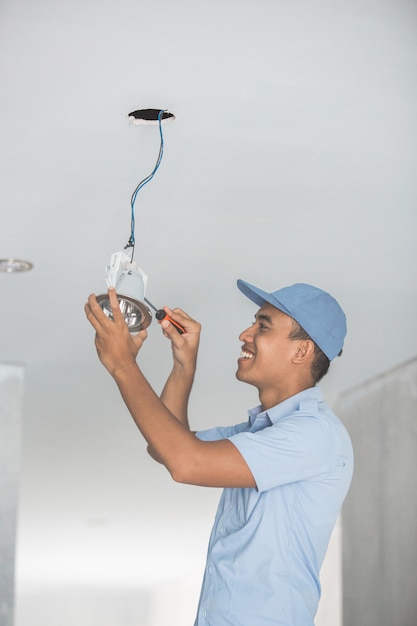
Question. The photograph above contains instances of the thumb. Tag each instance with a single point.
(139, 338)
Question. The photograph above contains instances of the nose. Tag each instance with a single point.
(246, 335)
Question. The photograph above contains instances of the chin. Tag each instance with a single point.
(241, 376)
(238, 375)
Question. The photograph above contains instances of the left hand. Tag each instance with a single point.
(117, 348)
(184, 346)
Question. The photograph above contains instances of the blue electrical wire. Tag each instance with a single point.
(131, 242)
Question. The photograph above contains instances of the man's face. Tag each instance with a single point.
(267, 351)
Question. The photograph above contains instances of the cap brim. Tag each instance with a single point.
(259, 296)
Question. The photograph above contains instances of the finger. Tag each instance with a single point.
(92, 303)
(178, 313)
(170, 332)
(94, 306)
(168, 328)
(114, 303)
(177, 318)
(190, 326)
(94, 312)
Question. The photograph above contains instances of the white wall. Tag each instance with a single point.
(173, 602)
(380, 513)
(11, 390)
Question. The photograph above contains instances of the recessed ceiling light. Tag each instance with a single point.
(11, 265)
(130, 281)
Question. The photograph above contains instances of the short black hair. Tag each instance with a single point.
(320, 363)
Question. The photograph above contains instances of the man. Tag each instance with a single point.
(285, 471)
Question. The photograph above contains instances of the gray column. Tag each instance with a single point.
(11, 391)
(379, 517)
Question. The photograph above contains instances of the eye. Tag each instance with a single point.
(261, 323)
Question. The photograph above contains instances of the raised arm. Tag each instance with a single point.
(177, 389)
(189, 460)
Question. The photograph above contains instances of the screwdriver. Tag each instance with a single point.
(160, 314)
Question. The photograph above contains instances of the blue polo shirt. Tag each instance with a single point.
(268, 543)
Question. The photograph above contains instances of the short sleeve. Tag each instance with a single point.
(294, 448)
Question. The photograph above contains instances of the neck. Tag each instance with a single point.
(271, 397)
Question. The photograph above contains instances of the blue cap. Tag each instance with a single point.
(317, 312)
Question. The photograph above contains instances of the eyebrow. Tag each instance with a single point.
(264, 318)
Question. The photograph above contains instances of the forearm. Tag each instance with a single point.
(189, 460)
(169, 438)
(176, 393)
(174, 396)
(177, 389)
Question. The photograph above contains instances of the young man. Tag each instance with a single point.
(285, 471)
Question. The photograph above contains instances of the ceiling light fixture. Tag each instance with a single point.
(130, 283)
(12, 266)
(123, 273)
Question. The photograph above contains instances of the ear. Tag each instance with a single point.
(304, 351)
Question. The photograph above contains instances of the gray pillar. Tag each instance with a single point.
(379, 516)
(11, 391)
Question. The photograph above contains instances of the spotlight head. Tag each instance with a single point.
(136, 315)
(130, 284)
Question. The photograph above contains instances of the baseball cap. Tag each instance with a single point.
(317, 312)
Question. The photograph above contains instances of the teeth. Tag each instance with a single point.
(245, 355)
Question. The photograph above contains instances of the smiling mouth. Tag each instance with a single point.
(245, 355)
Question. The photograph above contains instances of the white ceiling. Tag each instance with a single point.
(292, 158)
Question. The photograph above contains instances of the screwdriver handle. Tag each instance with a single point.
(161, 314)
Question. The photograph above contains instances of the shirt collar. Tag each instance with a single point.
(289, 405)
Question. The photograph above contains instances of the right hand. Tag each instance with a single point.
(117, 348)
(185, 346)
